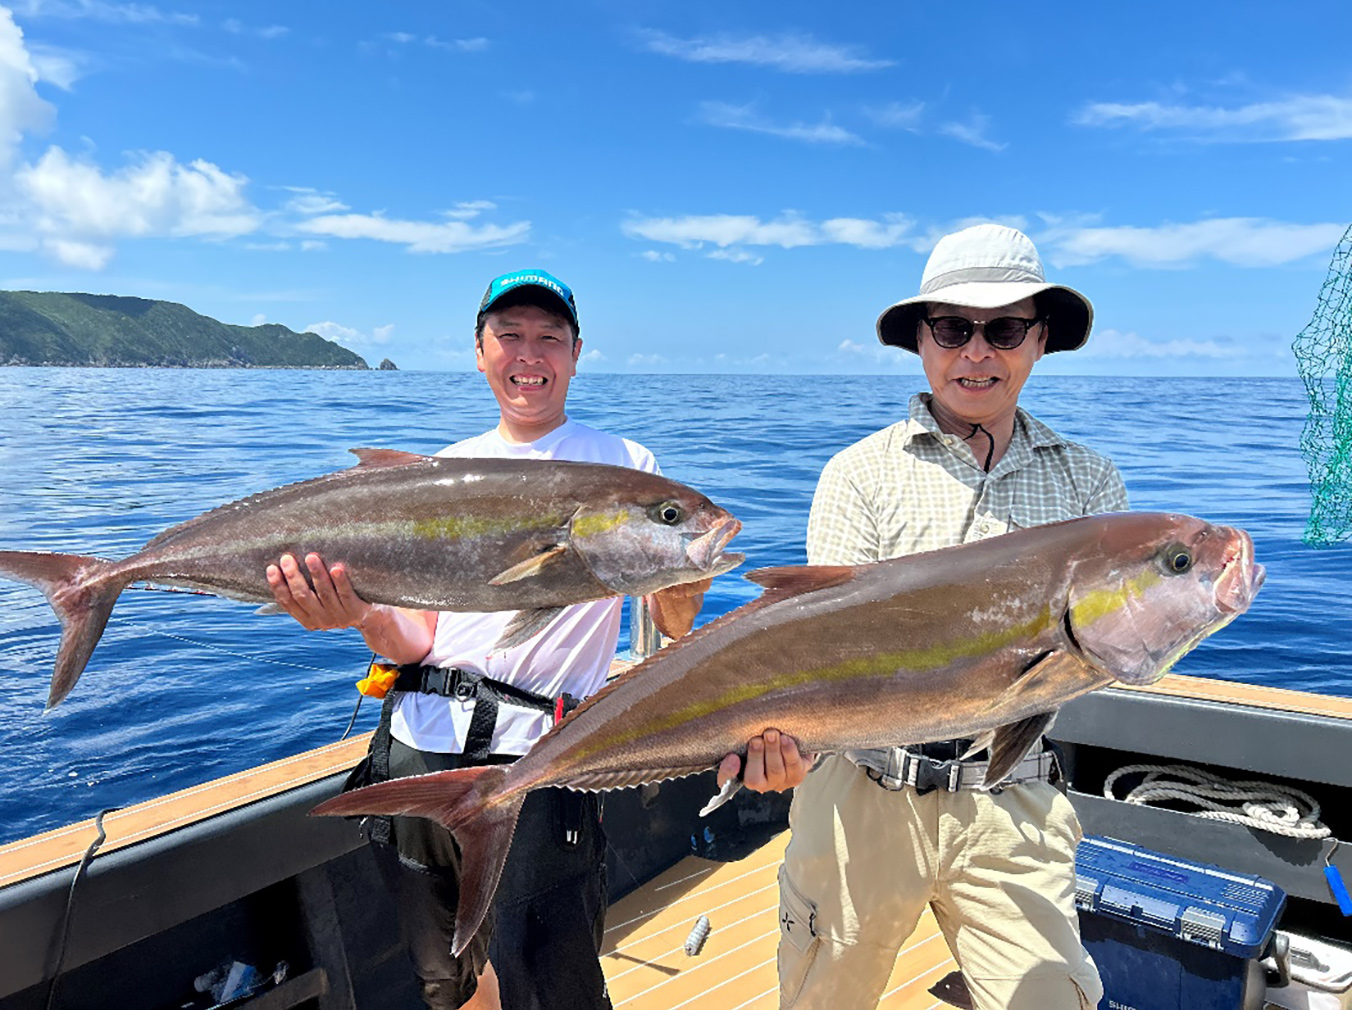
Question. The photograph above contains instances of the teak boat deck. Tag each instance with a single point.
(647, 967)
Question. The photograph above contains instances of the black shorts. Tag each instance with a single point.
(544, 931)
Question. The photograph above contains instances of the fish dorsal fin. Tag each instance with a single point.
(533, 565)
(793, 580)
(371, 458)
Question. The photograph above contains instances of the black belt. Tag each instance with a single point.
(485, 692)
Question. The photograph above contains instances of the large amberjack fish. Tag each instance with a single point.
(426, 532)
(980, 641)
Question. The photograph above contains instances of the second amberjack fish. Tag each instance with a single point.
(427, 532)
(982, 641)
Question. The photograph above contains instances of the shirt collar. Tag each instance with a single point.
(1035, 434)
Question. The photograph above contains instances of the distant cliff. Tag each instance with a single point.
(52, 328)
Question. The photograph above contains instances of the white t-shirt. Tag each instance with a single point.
(572, 654)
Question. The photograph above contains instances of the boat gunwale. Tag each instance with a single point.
(63, 847)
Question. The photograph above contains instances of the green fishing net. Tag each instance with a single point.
(1324, 355)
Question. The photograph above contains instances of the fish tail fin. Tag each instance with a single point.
(477, 808)
(82, 605)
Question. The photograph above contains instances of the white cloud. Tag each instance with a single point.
(259, 319)
(789, 231)
(1242, 241)
(1116, 344)
(418, 236)
(973, 132)
(867, 234)
(897, 115)
(100, 10)
(156, 196)
(468, 209)
(60, 67)
(474, 45)
(794, 54)
(744, 117)
(591, 357)
(21, 109)
(70, 208)
(653, 256)
(1298, 117)
(268, 246)
(313, 245)
(310, 202)
(736, 256)
(349, 337)
(875, 354)
(236, 27)
(81, 255)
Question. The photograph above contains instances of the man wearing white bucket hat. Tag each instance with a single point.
(878, 835)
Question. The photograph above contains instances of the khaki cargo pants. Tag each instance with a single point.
(998, 870)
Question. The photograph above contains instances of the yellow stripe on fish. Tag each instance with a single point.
(452, 527)
(1098, 603)
(599, 522)
(879, 665)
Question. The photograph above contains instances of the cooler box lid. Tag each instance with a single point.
(1193, 902)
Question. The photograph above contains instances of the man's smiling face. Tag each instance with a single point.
(528, 356)
(978, 383)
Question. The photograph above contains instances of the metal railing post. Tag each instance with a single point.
(644, 638)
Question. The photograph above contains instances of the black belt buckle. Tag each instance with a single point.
(931, 775)
(463, 688)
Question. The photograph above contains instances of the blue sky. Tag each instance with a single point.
(727, 187)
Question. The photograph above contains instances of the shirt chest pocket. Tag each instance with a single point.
(1026, 513)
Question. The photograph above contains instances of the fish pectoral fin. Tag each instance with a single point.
(1009, 745)
(532, 566)
(978, 745)
(371, 458)
(729, 790)
(268, 609)
(524, 626)
(1050, 681)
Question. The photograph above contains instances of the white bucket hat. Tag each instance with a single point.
(984, 267)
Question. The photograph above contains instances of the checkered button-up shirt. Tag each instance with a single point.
(912, 487)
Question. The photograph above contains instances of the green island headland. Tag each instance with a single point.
(112, 331)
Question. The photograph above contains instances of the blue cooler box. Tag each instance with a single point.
(1170, 934)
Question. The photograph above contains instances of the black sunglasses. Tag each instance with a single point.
(1004, 334)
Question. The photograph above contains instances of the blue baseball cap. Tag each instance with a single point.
(532, 287)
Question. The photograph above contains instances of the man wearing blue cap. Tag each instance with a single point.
(544, 934)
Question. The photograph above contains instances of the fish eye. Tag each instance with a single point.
(1177, 559)
(669, 513)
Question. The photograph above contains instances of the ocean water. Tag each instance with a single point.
(183, 689)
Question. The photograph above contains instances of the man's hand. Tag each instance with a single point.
(773, 763)
(675, 607)
(332, 603)
(404, 636)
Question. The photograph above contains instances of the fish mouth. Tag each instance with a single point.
(1240, 577)
(706, 551)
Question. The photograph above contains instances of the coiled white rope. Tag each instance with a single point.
(1283, 810)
